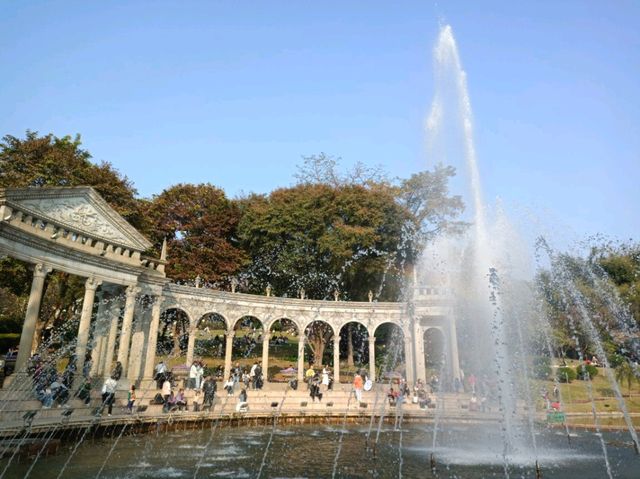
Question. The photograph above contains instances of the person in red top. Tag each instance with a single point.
(358, 384)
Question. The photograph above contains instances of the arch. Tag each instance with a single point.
(173, 334)
(210, 341)
(216, 314)
(354, 349)
(318, 344)
(284, 336)
(434, 350)
(390, 354)
(247, 340)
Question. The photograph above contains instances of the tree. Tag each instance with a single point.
(322, 238)
(51, 161)
(199, 224)
(625, 373)
(39, 161)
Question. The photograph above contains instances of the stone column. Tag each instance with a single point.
(453, 349)
(107, 359)
(90, 287)
(191, 344)
(418, 348)
(265, 355)
(408, 357)
(140, 325)
(127, 322)
(152, 338)
(336, 359)
(372, 358)
(31, 318)
(300, 358)
(227, 354)
(96, 353)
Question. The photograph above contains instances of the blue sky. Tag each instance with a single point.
(234, 93)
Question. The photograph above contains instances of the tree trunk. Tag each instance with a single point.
(350, 345)
(176, 339)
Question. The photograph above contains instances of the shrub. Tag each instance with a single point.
(541, 367)
(565, 374)
(587, 369)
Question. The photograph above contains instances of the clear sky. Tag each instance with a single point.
(234, 93)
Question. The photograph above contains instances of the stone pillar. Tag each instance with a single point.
(336, 359)
(372, 358)
(453, 349)
(31, 317)
(300, 358)
(152, 338)
(265, 355)
(140, 325)
(127, 322)
(114, 316)
(90, 287)
(418, 348)
(191, 344)
(227, 354)
(96, 353)
(408, 357)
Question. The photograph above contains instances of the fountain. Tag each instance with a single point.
(497, 310)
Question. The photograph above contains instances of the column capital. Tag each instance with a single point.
(230, 334)
(92, 283)
(266, 337)
(372, 339)
(132, 291)
(41, 269)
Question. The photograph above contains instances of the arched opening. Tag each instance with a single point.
(434, 352)
(389, 352)
(354, 350)
(173, 337)
(210, 343)
(318, 345)
(247, 342)
(283, 350)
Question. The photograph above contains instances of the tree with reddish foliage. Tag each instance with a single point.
(199, 224)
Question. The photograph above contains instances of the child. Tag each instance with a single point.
(131, 399)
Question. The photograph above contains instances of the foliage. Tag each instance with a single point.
(565, 374)
(199, 223)
(586, 371)
(541, 367)
(51, 161)
(627, 373)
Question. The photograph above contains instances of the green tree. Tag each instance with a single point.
(200, 224)
(625, 373)
(40, 161)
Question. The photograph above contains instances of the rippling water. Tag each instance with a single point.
(310, 451)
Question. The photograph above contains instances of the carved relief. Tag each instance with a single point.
(77, 213)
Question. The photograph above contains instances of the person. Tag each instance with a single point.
(209, 387)
(392, 396)
(325, 378)
(556, 393)
(131, 399)
(246, 380)
(237, 375)
(314, 389)
(252, 375)
(170, 403)
(473, 403)
(229, 386)
(193, 374)
(259, 377)
(181, 401)
(457, 385)
(45, 396)
(358, 384)
(59, 391)
(117, 371)
(161, 371)
(69, 372)
(88, 364)
(308, 375)
(199, 375)
(108, 394)
(166, 389)
(243, 405)
(84, 392)
(472, 382)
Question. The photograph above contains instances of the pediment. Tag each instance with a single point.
(78, 209)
